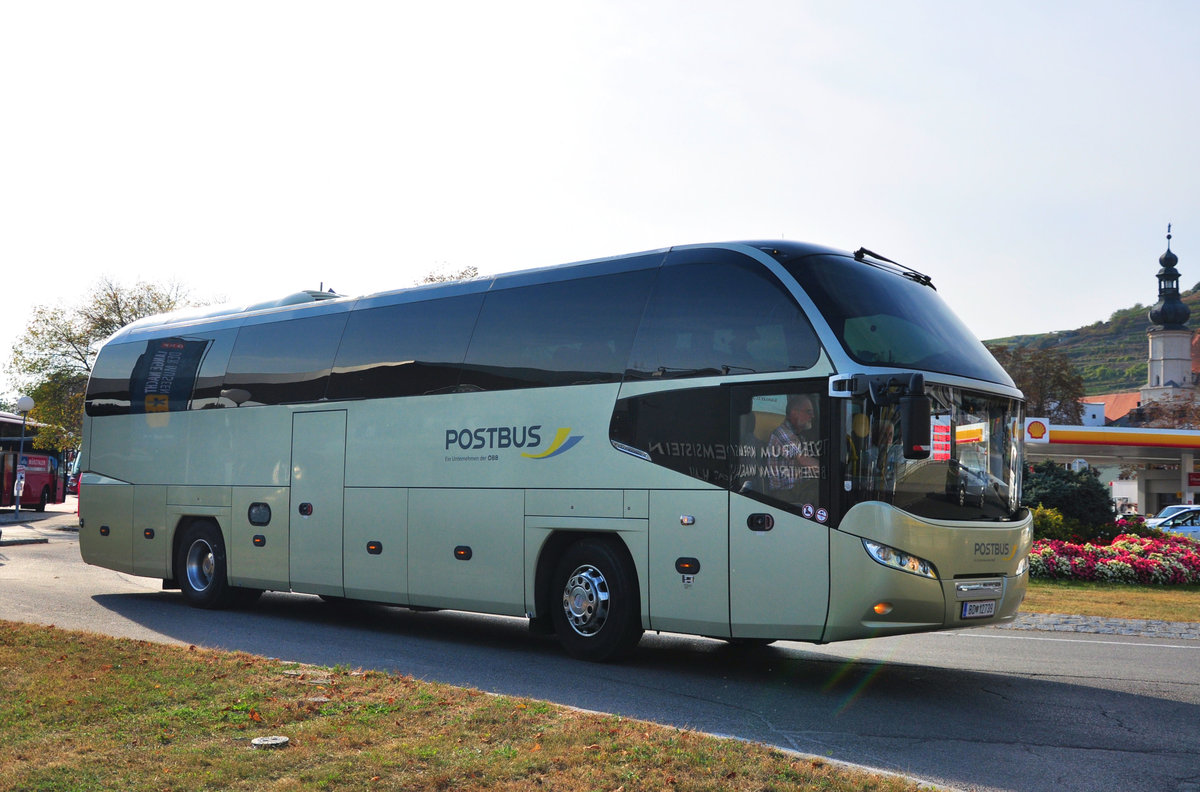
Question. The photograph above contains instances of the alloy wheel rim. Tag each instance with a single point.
(586, 600)
(201, 565)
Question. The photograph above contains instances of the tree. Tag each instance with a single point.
(444, 275)
(52, 359)
(58, 406)
(1078, 496)
(1174, 412)
(1053, 387)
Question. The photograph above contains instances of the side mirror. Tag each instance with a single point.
(915, 408)
(914, 426)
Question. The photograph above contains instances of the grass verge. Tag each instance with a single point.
(1113, 600)
(86, 712)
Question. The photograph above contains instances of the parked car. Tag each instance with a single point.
(1169, 512)
(1186, 523)
(73, 478)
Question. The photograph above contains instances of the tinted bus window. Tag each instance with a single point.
(768, 441)
(717, 312)
(684, 430)
(283, 362)
(564, 333)
(108, 387)
(211, 376)
(172, 373)
(164, 374)
(404, 350)
(781, 447)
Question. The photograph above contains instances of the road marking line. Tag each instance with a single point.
(1063, 640)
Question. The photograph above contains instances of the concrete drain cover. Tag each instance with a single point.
(269, 742)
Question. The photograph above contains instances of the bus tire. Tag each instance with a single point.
(201, 569)
(43, 500)
(595, 606)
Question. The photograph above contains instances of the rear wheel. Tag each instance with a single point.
(43, 500)
(595, 606)
(201, 569)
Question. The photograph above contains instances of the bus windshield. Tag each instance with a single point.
(973, 472)
(882, 318)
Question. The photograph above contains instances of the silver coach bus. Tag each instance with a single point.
(747, 441)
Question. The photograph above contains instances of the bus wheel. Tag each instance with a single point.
(44, 499)
(597, 616)
(200, 568)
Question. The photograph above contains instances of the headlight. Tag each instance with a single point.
(898, 559)
(1023, 565)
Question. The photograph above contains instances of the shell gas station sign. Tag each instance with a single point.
(1037, 430)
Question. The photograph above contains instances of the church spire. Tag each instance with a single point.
(1169, 313)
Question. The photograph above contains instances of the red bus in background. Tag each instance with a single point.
(45, 479)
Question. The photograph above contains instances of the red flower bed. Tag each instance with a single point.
(1129, 559)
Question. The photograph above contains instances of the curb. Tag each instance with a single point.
(29, 529)
(1097, 625)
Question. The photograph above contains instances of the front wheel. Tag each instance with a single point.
(595, 607)
(201, 569)
(43, 500)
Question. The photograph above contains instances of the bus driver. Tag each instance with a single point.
(793, 466)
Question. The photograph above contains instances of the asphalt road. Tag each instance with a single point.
(982, 709)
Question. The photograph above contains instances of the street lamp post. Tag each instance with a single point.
(24, 405)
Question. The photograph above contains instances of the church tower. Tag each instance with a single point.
(1170, 364)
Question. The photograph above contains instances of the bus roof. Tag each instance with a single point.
(310, 303)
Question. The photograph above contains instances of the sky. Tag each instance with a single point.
(1027, 155)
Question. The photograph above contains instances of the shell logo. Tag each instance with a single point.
(1037, 430)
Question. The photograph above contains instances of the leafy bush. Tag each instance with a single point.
(1079, 497)
(1050, 524)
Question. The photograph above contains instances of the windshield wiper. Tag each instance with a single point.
(907, 272)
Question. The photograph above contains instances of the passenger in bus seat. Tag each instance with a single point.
(884, 456)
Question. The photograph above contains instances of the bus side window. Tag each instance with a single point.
(781, 445)
(284, 362)
(108, 387)
(684, 430)
(211, 376)
(561, 333)
(718, 312)
(408, 349)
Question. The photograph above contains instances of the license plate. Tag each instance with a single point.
(979, 609)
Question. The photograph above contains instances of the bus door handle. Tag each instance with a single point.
(306, 509)
(760, 522)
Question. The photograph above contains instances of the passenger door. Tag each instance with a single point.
(779, 512)
(318, 478)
